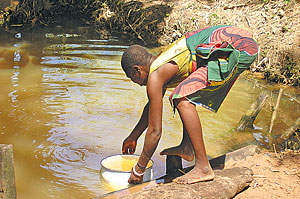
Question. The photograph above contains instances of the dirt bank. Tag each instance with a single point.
(276, 175)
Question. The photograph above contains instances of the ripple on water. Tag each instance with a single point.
(67, 154)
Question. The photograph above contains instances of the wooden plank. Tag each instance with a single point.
(7, 173)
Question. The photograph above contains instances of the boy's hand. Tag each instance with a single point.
(134, 179)
(129, 146)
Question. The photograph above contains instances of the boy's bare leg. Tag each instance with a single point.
(184, 149)
(202, 170)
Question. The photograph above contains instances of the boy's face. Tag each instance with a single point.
(139, 76)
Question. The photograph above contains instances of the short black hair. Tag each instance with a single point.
(134, 55)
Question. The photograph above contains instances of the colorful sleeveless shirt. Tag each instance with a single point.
(178, 53)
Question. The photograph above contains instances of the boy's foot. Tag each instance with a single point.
(196, 175)
(186, 153)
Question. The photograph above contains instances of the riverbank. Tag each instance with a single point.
(276, 175)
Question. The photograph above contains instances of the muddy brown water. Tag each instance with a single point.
(65, 104)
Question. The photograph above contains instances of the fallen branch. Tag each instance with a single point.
(260, 63)
(259, 176)
(289, 131)
(248, 21)
(247, 120)
(138, 35)
(234, 6)
(274, 117)
(291, 98)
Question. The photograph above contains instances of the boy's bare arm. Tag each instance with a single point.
(143, 122)
(155, 89)
(155, 84)
(129, 143)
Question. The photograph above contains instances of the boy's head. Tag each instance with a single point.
(135, 61)
(134, 55)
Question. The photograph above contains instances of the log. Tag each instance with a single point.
(247, 120)
(226, 184)
(7, 173)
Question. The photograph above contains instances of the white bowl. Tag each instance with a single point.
(115, 170)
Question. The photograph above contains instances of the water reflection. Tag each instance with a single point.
(81, 111)
(65, 104)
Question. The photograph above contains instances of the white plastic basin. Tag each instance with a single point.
(115, 170)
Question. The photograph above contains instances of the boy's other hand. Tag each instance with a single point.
(129, 146)
(134, 179)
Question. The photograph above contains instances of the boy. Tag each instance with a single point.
(202, 66)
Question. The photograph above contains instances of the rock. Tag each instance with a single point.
(227, 184)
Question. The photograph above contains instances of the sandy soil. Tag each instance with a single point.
(276, 175)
